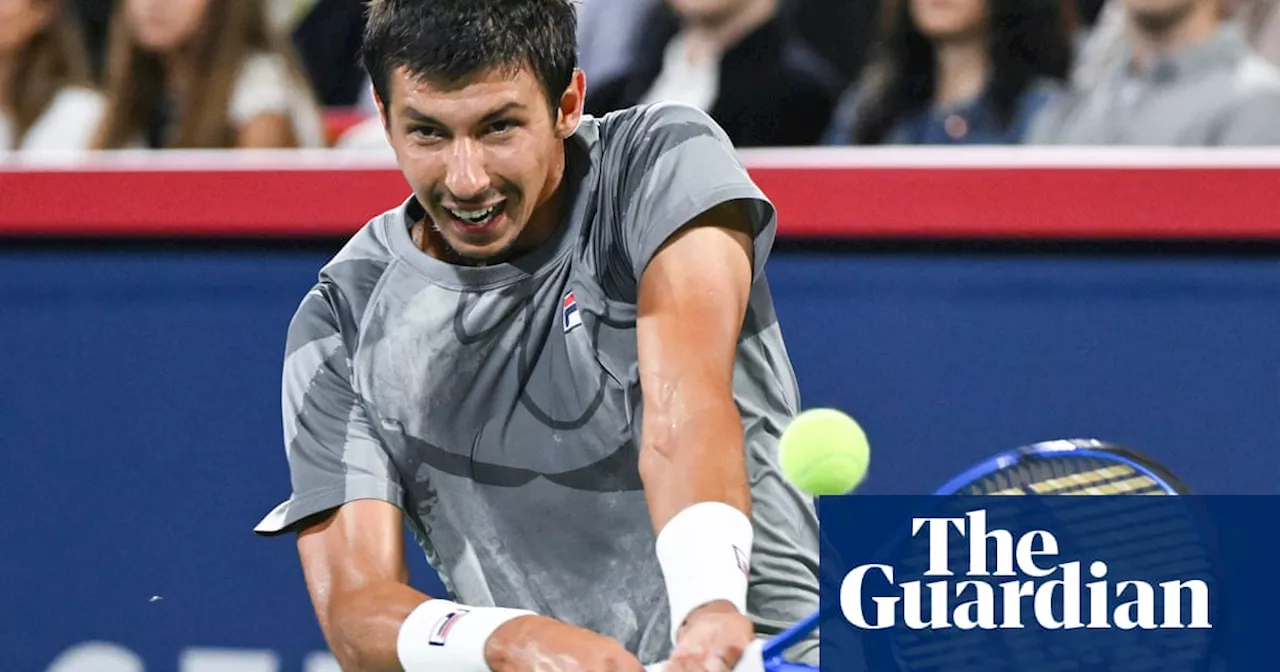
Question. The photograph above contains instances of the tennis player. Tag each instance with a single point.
(558, 360)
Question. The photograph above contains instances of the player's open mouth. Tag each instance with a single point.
(478, 219)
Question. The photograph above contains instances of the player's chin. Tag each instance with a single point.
(481, 246)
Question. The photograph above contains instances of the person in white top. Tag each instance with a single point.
(46, 100)
(204, 74)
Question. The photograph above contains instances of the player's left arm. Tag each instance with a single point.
(692, 300)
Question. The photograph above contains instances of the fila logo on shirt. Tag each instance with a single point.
(569, 313)
(441, 631)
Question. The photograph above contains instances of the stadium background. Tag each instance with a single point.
(957, 303)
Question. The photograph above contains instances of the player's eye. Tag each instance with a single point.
(425, 132)
(502, 126)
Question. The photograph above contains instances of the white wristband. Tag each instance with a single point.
(445, 635)
(705, 553)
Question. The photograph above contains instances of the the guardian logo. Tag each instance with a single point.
(1048, 592)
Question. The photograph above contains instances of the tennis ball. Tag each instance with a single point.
(824, 452)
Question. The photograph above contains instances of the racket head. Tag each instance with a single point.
(1019, 470)
(1064, 467)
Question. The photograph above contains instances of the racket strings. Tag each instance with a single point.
(1070, 476)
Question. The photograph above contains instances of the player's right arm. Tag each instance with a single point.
(346, 494)
(353, 563)
(346, 508)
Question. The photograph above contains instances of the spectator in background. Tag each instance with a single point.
(204, 74)
(46, 100)
(1180, 73)
(1261, 19)
(739, 61)
(326, 35)
(607, 32)
(958, 71)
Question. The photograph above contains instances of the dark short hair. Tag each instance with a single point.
(449, 41)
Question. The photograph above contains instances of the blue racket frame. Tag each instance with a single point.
(773, 650)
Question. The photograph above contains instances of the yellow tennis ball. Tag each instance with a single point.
(824, 452)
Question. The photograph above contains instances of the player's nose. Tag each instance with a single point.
(466, 177)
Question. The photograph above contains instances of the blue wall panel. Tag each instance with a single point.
(140, 421)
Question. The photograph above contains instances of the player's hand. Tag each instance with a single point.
(541, 644)
(712, 639)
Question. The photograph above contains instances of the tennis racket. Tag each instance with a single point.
(1065, 467)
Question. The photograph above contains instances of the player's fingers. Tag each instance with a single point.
(752, 658)
(701, 660)
(728, 653)
(680, 665)
(712, 663)
(704, 664)
(687, 659)
(631, 665)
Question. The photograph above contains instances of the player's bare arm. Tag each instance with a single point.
(353, 562)
(692, 301)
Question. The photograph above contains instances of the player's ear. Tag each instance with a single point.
(569, 112)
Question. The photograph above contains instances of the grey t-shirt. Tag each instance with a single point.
(500, 406)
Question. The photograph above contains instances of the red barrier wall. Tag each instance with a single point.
(821, 193)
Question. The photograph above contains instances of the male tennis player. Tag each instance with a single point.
(558, 359)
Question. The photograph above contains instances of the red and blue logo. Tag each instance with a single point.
(569, 313)
(441, 631)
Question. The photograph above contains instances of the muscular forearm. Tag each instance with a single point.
(693, 453)
(362, 625)
(692, 300)
(693, 296)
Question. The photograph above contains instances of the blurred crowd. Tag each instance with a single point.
(111, 74)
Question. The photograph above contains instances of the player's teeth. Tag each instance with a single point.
(473, 215)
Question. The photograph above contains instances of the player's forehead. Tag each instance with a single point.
(514, 88)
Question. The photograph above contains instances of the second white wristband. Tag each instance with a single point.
(705, 555)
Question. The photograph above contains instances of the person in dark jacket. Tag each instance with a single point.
(740, 61)
(958, 72)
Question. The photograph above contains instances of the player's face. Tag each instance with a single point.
(949, 19)
(20, 20)
(484, 158)
(165, 25)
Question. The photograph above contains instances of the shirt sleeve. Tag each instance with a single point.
(678, 164)
(334, 454)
